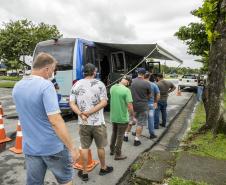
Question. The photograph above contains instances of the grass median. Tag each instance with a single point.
(8, 84)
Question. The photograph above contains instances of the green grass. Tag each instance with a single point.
(179, 181)
(205, 144)
(11, 78)
(9, 84)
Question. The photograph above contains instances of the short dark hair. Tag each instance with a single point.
(160, 75)
(147, 75)
(89, 69)
(42, 60)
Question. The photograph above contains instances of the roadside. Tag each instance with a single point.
(199, 159)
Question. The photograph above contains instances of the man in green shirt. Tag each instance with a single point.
(120, 107)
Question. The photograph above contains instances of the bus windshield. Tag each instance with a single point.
(61, 51)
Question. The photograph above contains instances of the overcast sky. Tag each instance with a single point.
(121, 21)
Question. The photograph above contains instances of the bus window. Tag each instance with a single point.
(61, 51)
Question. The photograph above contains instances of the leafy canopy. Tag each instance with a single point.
(20, 38)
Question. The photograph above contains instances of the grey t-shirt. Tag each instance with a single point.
(140, 90)
(164, 87)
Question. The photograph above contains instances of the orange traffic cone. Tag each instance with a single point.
(178, 92)
(18, 144)
(1, 109)
(91, 164)
(3, 137)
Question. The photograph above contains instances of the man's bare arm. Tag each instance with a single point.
(60, 128)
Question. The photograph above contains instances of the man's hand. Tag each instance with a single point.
(75, 155)
(86, 114)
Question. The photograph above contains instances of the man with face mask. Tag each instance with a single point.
(46, 141)
(121, 102)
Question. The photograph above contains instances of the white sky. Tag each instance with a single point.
(121, 21)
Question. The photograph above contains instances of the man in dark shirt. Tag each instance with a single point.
(141, 93)
(165, 88)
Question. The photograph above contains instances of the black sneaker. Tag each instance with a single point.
(152, 136)
(112, 153)
(109, 169)
(162, 125)
(83, 177)
(137, 143)
(125, 138)
(134, 133)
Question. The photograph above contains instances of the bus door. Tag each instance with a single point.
(118, 65)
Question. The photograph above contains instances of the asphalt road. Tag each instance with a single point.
(12, 169)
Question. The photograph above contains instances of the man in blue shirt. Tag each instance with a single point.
(46, 142)
(152, 104)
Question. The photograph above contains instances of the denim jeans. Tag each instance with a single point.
(199, 93)
(60, 164)
(151, 120)
(161, 107)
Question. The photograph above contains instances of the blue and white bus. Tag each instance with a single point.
(112, 60)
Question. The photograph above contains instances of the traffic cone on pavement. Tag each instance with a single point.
(178, 92)
(91, 164)
(1, 109)
(18, 144)
(3, 137)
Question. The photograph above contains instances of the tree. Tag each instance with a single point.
(208, 39)
(213, 14)
(20, 38)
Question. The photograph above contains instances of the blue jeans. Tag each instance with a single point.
(161, 107)
(151, 120)
(199, 93)
(60, 164)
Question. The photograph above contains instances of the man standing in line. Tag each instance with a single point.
(165, 88)
(121, 102)
(152, 104)
(88, 98)
(46, 142)
(141, 93)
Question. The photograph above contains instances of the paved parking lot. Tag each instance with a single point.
(12, 169)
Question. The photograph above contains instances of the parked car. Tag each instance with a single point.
(188, 81)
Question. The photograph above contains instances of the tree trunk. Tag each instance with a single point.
(216, 77)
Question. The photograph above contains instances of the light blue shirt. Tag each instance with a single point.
(154, 91)
(35, 99)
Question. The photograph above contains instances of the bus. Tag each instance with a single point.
(111, 59)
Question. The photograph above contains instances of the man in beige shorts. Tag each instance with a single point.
(88, 98)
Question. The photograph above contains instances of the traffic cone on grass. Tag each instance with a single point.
(91, 164)
(18, 143)
(3, 137)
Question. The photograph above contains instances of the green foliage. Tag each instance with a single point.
(180, 181)
(20, 38)
(209, 15)
(195, 37)
(179, 70)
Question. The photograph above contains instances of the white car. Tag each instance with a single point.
(188, 81)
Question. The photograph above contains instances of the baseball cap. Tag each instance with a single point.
(141, 70)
